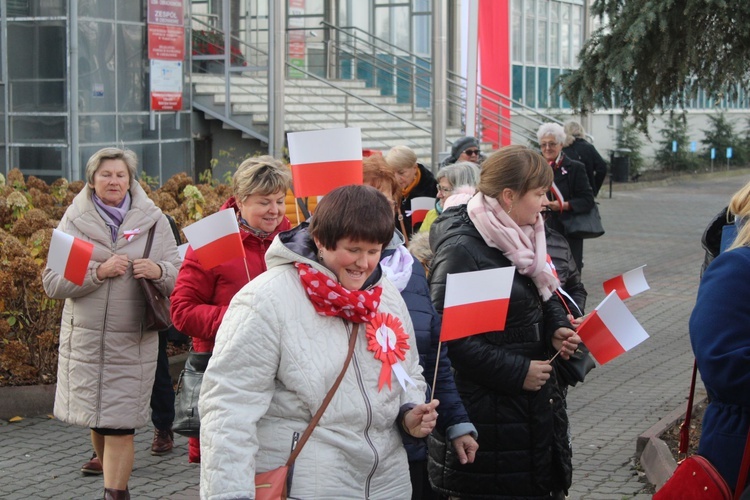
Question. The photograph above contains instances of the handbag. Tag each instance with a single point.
(695, 477)
(186, 419)
(156, 316)
(583, 225)
(574, 369)
(274, 484)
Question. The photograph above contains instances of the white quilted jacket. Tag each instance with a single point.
(274, 361)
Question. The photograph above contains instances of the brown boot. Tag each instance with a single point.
(113, 494)
(163, 442)
(93, 467)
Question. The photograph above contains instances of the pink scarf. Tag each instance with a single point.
(331, 299)
(525, 247)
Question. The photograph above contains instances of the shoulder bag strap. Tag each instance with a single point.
(326, 400)
(403, 226)
(149, 240)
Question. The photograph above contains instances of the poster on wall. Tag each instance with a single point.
(166, 42)
(296, 35)
(166, 12)
(166, 85)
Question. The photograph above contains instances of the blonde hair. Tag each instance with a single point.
(263, 175)
(515, 167)
(740, 207)
(127, 156)
(401, 157)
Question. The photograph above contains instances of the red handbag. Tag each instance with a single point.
(695, 477)
(276, 483)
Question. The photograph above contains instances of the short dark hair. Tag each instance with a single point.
(357, 212)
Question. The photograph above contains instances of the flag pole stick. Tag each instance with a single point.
(244, 259)
(434, 378)
(558, 353)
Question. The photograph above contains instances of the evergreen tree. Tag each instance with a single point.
(656, 53)
(675, 129)
(721, 136)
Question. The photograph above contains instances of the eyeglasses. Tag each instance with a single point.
(471, 152)
(444, 189)
(548, 145)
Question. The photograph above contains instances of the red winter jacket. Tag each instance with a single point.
(201, 297)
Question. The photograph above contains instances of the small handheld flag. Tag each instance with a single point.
(627, 285)
(69, 256)
(419, 208)
(216, 238)
(611, 330)
(323, 160)
(476, 302)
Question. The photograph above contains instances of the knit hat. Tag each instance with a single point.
(462, 145)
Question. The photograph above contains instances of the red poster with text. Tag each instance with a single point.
(166, 42)
(166, 101)
(169, 12)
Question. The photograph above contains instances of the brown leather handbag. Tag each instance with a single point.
(275, 484)
(156, 316)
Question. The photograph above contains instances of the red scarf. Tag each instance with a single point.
(331, 299)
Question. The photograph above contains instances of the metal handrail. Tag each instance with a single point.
(385, 42)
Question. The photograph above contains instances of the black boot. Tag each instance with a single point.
(113, 494)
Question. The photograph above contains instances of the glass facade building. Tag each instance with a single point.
(75, 78)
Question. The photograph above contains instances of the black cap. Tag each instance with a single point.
(462, 145)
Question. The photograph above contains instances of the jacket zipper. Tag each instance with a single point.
(368, 406)
(101, 349)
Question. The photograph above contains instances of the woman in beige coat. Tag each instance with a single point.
(107, 360)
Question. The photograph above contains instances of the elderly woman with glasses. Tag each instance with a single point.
(416, 181)
(572, 193)
(452, 179)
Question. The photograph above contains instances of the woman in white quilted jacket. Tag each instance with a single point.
(283, 342)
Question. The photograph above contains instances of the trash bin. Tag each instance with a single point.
(620, 165)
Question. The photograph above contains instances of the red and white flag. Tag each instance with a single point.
(69, 256)
(611, 330)
(323, 160)
(476, 302)
(557, 194)
(419, 208)
(627, 285)
(216, 238)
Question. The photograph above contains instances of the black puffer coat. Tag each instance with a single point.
(523, 444)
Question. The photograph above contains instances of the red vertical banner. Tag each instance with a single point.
(166, 53)
(494, 63)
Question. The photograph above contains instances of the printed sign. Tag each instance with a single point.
(166, 85)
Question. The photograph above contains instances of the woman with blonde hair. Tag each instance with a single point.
(577, 148)
(507, 383)
(107, 357)
(720, 337)
(201, 296)
(415, 180)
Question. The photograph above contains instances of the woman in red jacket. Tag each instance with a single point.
(201, 296)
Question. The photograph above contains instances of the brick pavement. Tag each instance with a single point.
(655, 225)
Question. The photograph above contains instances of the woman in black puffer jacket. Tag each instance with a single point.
(504, 378)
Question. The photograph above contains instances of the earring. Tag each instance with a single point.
(511, 208)
(320, 255)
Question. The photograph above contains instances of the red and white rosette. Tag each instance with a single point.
(388, 340)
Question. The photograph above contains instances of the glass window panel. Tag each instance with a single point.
(530, 32)
(383, 23)
(423, 6)
(554, 73)
(131, 10)
(132, 83)
(530, 87)
(148, 158)
(565, 35)
(38, 129)
(314, 7)
(98, 9)
(36, 50)
(422, 35)
(135, 128)
(517, 83)
(3, 166)
(52, 161)
(175, 157)
(576, 42)
(96, 65)
(168, 126)
(541, 45)
(543, 88)
(401, 28)
(31, 95)
(517, 31)
(97, 129)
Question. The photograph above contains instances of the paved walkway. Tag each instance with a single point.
(659, 226)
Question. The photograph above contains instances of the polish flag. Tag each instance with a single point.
(611, 329)
(627, 285)
(419, 208)
(323, 160)
(558, 195)
(216, 238)
(476, 302)
(182, 250)
(69, 256)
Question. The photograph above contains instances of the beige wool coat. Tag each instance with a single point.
(106, 360)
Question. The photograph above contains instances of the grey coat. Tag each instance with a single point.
(106, 360)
